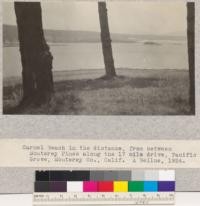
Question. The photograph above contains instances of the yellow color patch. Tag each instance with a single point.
(120, 186)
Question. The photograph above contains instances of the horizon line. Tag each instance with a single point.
(176, 35)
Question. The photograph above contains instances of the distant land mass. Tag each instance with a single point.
(10, 36)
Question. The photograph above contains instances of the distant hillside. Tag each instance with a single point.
(10, 36)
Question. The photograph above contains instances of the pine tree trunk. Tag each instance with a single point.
(106, 41)
(35, 55)
(191, 51)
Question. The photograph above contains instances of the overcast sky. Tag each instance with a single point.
(124, 17)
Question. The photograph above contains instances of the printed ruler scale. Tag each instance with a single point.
(138, 198)
(135, 187)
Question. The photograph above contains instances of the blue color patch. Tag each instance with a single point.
(150, 186)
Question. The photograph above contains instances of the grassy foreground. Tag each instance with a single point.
(133, 92)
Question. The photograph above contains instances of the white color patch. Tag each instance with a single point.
(166, 175)
(74, 186)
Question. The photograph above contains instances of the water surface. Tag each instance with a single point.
(79, 56)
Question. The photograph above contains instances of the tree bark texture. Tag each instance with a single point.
(191, 51)
(106, 40)
(35, 55)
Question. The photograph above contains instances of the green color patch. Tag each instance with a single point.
(136, 186)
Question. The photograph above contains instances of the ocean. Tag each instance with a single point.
(160, 54)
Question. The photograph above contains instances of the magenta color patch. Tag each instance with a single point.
(90, 186)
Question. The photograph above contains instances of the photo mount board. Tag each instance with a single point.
(101, 127)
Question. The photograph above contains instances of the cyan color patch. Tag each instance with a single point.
(150, 186)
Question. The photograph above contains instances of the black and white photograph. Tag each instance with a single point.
(98, 58)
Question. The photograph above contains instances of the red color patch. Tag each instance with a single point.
(105, 186)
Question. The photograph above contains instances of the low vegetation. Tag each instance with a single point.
(133, 92)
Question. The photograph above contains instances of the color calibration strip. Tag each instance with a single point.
(137, 187)
(105, 181)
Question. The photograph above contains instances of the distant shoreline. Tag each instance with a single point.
(10, 36)
(144, 42)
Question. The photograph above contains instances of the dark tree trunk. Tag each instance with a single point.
(106, 41)
(35, 55)
(191, 51)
